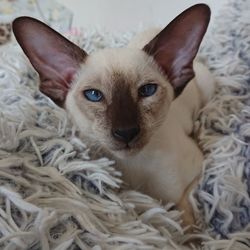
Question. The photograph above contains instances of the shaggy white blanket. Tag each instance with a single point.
(54, 195)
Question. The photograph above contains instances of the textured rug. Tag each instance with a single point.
(55, 195)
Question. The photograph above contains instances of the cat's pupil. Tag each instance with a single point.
(93, 95)
(147, 90)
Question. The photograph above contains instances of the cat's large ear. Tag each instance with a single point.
(176, 46)
(55, 58)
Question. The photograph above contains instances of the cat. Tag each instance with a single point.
(139, 103)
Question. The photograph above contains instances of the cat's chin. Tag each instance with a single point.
(125, 152)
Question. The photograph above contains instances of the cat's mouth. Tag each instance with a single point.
(123, 149)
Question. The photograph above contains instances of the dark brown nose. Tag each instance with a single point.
(126, 135)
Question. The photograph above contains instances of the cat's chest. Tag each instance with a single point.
(147, 167)
(163, 171)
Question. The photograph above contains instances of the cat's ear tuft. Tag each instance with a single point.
(55, 58)
(176, 46)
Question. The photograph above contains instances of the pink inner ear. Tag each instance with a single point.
(176, 46)
(57, 87)
(57, 72)
(55, 66)
(55, 58)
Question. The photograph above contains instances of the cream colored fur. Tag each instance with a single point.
(171, 160)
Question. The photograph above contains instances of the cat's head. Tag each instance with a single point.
(117, 97)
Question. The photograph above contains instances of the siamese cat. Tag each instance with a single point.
(138, 102)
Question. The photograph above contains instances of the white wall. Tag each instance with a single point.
(122, 15)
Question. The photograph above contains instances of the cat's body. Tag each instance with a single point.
(171, 160)
(131, 100)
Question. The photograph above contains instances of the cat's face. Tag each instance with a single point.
(118, 97)
(131, 96)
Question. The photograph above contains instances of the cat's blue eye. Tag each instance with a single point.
(93, 95)
(147, 90)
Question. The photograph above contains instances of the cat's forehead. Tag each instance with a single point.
(116, 65)
(126, 58)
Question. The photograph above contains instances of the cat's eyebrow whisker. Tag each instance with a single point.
(148, 62)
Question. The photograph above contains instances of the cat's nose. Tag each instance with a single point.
(126, 135)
